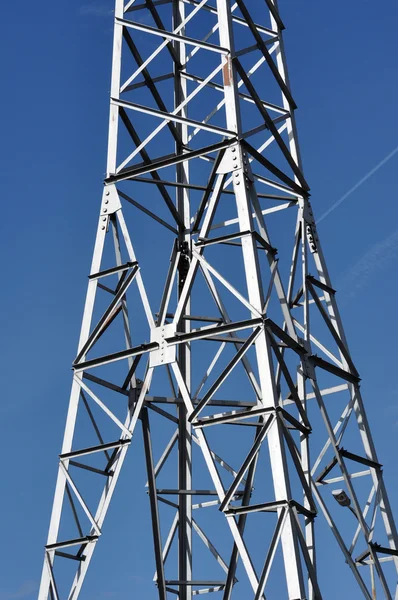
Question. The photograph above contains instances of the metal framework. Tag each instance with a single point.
(234, 345)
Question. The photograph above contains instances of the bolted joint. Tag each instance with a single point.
(110, 201)
(306, 365)
(165, 353)
(184, 261)
(233, 160)
(307, 212)
(311, 238)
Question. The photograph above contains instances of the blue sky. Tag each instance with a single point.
(56, 69)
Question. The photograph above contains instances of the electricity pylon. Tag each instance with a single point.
(210, 317)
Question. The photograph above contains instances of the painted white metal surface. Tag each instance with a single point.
(213, 159)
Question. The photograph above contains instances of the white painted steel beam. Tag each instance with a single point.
(237, 324)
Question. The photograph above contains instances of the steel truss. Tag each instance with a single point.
(203, 160)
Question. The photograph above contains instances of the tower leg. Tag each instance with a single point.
(184, 354)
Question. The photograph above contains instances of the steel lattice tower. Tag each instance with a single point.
(229, 355)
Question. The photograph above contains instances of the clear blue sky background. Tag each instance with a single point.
(56, 60)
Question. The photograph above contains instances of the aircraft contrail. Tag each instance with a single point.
(358, 184)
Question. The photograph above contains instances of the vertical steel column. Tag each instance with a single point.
(241, 183)
(294, 148)
(184, 354)
(87, 313)
(280, 59)
(304, 441)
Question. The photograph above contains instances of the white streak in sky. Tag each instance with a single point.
(378, 257)
(358, 184)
